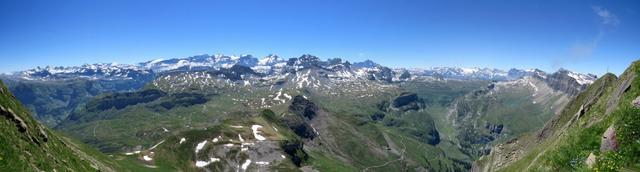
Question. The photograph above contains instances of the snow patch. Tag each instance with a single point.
(581, 79)
(256, 132)
(154, 146)
(200, 145)
(182, 140)
(147, 158)
(205, 163)
(246, 164)
(262, 163)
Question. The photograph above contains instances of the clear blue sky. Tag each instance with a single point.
(585, 36)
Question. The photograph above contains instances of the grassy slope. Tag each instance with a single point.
(566, 142)
(30, 151)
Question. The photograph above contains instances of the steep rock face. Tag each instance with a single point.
(561, 81)
(406, 101)
(303, 107)
(295, 149)
(303, 111)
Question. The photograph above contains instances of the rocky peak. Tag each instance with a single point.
(365, 64)
(271, 59)
(564, 80)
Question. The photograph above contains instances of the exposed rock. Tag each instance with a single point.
(304, 111)
(303, 107)
(636, 102)
(609, 142)
(591, 160)
(405, 75)
(378, 116)
(561, 81)
(299, 126)
(406, 101)
(43, 134)
(11, 116)
(615, 97)
(295, 149)
(494, 129)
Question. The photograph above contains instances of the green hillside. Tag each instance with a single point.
(569, 139)
(29, 146)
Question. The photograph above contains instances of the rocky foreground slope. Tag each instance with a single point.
(598, 130)
(28, 146)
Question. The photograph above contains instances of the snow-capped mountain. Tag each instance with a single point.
(107, 71)
(462, 73)
(497, 74)
(273, 66)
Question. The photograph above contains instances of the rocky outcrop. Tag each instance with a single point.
(625, 84)
(378, 116)
(591, 160)
(636, 102)
(299, 126)
(303, 107)
(494, 129)
(561, 81)
(11, 116)
(406, 101)
(303, 112)
(295, 149)
(609, 141)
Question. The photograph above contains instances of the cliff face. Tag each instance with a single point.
(573, 140)
(562, 81)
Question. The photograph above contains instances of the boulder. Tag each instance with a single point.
(636, 102)
(591, 160)
(609, 142)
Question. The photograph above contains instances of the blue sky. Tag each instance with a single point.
(584, 36)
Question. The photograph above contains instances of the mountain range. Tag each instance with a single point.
(241, 113)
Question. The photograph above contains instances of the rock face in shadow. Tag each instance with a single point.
(406, 102)
(295, 149)
(303, 107)
(303, 111)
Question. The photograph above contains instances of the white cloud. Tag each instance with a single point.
(606, 17)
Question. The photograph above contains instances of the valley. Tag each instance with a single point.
(230, 113)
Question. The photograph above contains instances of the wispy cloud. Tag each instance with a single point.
(581, 50)
(606, 17)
